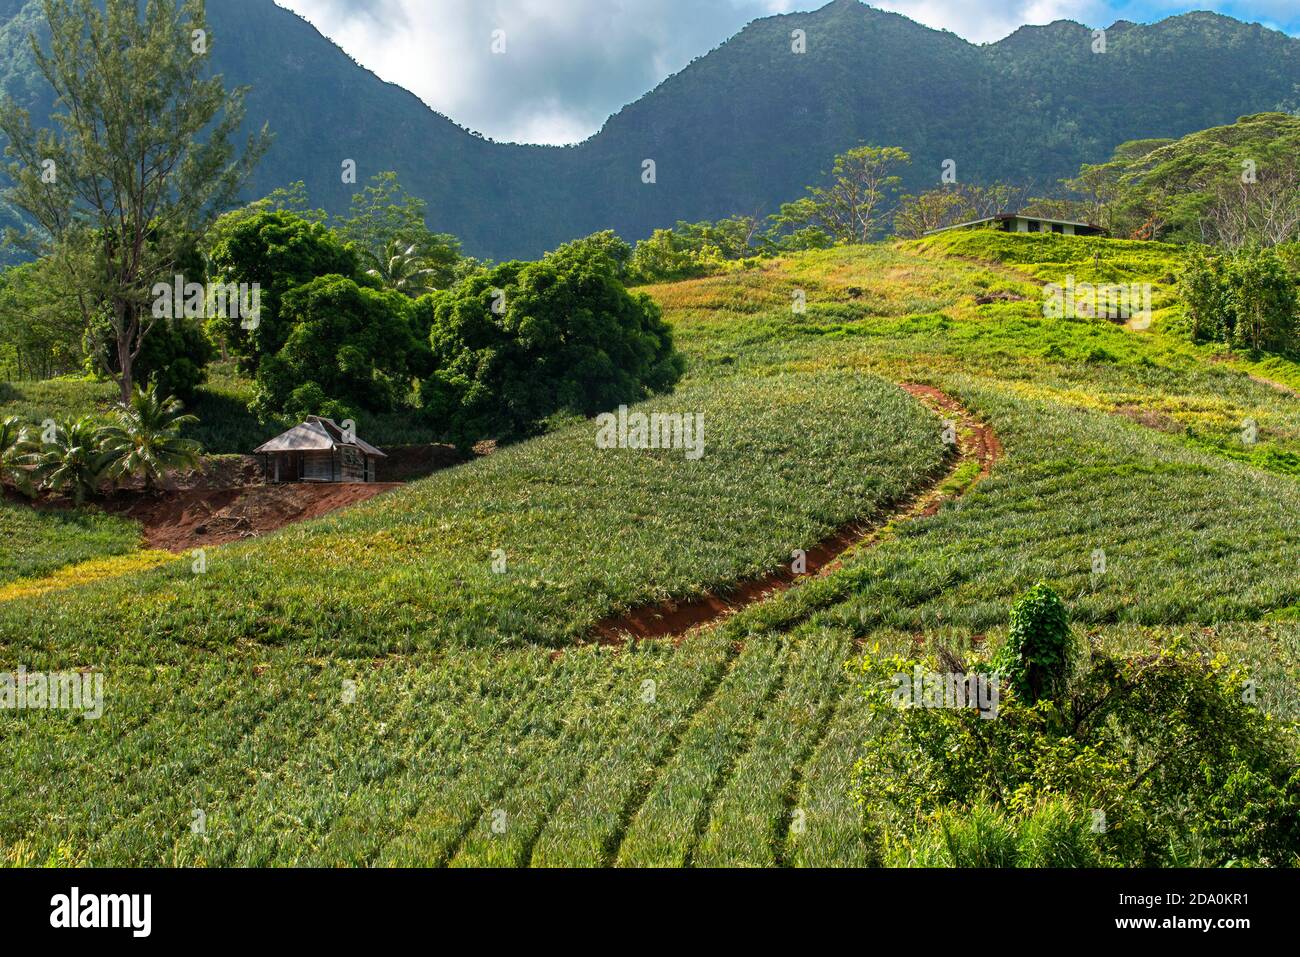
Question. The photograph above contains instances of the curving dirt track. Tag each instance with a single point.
(975, 442)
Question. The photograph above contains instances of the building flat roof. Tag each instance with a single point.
(1003, 217)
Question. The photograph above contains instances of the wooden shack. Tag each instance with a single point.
(318, 450)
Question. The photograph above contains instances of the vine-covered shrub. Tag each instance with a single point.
(1039, 654)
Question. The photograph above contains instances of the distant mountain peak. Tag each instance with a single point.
(743, 128)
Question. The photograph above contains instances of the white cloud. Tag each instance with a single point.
(986, 23)
(568, 65)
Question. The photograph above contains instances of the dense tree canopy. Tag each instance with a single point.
(278, 251)
(347, 348)
(607, 243)
(1236, 185)
(521, 342)
(42, 327)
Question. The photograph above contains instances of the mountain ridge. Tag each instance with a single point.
(743, 127)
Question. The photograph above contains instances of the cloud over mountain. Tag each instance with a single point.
(566, 67)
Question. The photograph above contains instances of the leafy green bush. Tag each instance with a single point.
(347, 348)
(523, 341)
(1261, 301)
(1289, 253)
(1053, 834)
(278, 251)
(1201, 286)
(1246, 299)
(1171, 764)
(667, 256)
(691, 250)
(1038, 657)
(1057, 834)
(980, 837)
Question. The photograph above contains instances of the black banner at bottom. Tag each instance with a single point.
(336, 907)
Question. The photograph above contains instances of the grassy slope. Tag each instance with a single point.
(37, 543)
(584, 532)
(225, 692)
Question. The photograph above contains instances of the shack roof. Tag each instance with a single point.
(316, 434)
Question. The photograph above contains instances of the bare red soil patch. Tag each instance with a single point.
(226, 499)
(181, 520)
(671, 619)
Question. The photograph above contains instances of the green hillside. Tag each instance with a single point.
(742, 128)
(38, 543)
(368, 689)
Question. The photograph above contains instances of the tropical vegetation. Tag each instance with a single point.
(461, 607)
(145, 438)
(1091, 518)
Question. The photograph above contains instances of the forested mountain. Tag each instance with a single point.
(743, 128)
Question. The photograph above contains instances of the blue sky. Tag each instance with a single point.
(569, 64)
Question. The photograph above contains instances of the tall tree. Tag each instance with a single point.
(865, 184)
(142, 160)
(384, 214)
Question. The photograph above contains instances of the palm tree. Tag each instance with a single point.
(402, 269)
(74, 459)
(146, 437)
(15, 445)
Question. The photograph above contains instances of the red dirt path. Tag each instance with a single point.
(671, 619)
